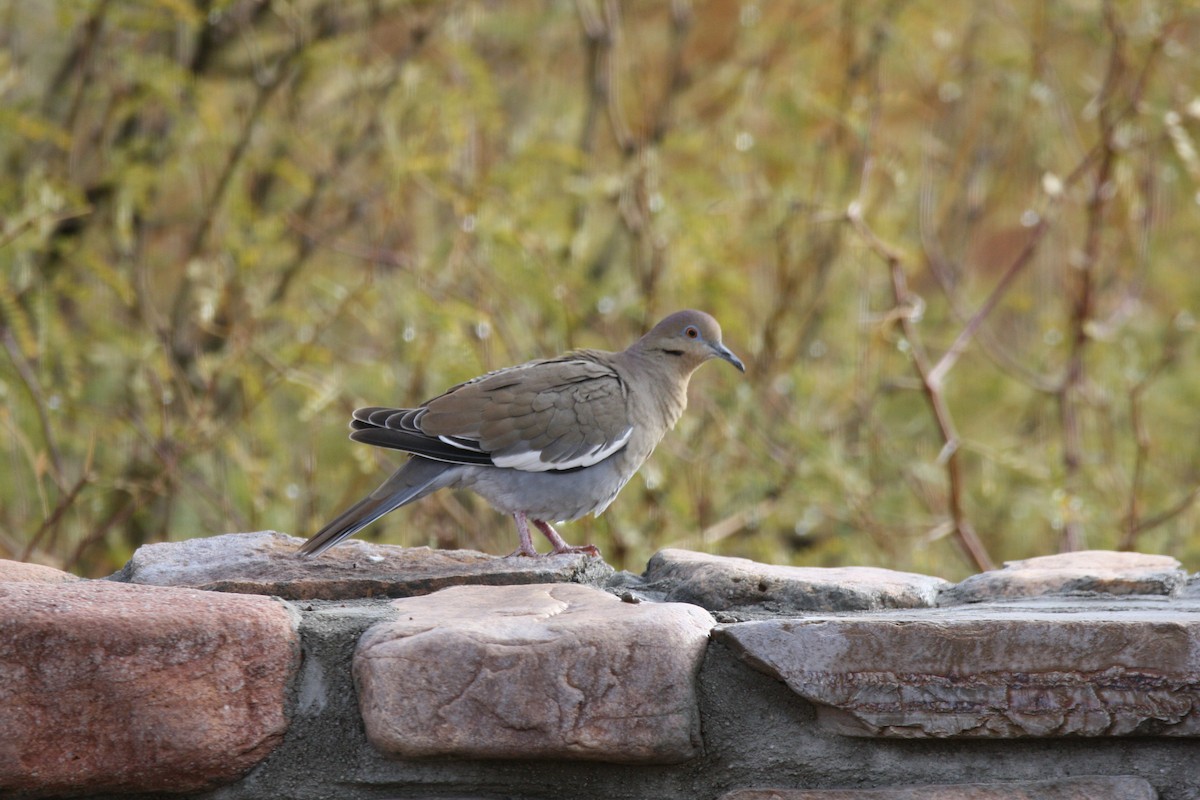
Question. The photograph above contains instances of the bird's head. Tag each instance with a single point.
(692, 337)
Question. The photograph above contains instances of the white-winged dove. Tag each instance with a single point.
(545, 441)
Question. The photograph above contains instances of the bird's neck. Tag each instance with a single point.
(666, 377)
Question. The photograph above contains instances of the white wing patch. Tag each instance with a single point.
(531, 460)
(461, 444)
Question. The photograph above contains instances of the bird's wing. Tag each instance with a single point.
(560, 414)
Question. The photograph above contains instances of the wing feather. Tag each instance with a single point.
(559, 414)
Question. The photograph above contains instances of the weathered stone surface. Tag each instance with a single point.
(107, 688)
(1100, 787)
(991, 671)
(266, 563)
(1191, 590)
(547, 671)
(722, 583)
(1088, 572)
(20, 572)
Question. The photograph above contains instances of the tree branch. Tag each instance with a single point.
(964, 532)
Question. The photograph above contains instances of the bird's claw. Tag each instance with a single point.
(589, 549)
(586, 549)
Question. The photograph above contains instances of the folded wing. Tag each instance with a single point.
(560, 414)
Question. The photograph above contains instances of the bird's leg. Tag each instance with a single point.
(560, 546)
(526, 548)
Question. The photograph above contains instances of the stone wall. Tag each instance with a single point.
(226, 668)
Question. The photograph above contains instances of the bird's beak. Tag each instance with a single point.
(724, 353)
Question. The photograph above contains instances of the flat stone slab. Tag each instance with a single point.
(1099, 787)
(721, 583)
(1039, 669)
(20, 572)
(554, 671)
(1083, 573)
(113, 688)
(266, 563)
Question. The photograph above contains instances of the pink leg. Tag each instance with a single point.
(560, 546)
(526, 548)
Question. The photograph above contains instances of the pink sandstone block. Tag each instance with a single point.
(106, 687)
(20, 572)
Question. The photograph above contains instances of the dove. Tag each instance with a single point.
(547, 441)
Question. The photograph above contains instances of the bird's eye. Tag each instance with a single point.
(691, 332)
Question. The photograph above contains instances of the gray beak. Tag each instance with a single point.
(724, 353)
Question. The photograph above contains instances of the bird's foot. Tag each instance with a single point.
(526, 549)
(589, 549)
(559, 544)
(586, 549)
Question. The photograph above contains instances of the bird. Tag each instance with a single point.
(547, 441)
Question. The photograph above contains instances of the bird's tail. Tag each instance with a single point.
(414, 480)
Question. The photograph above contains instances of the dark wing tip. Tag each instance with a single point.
(419, 444)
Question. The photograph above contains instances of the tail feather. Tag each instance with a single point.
(414, 480)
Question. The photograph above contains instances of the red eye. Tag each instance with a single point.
(691, 332)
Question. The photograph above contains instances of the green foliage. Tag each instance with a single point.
(227, 223)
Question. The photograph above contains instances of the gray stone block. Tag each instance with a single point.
(1084, 573)
(990, 671)
(1099, 787)
(266, 563)
(723, 583)
(550, 671)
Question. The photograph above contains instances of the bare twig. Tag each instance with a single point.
(959, 346)
(963, 530)
(907, 311)
(1134, 524)
(1167, 514)
(637, 199)
(266, 90)
(344, 154)
(1083, 283)
(938, 262)
(50, 524)
(677, 77)
(79, 58)
(313, 238)
(598, 44)
(9, 235)
(1097, 166)
(119, 516)
(41, 403)
(616, 115)
(939, 268)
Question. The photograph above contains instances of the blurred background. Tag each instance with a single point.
(955, 243)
